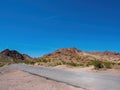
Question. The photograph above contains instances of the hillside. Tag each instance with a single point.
(12, 56)
(12, 53)
(15, 54)
(75, 57)
(72, 54)
(66, 56)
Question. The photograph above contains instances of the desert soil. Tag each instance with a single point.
(13, 79)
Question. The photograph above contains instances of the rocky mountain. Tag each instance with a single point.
(107, 56)
(27, 57)
(75, 55)
(15, 55)
(62, 56)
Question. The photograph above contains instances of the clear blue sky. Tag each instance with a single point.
(37, 27)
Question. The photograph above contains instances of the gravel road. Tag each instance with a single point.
(85, 80)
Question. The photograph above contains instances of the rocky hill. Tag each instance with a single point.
(27, 57)
(74, 55)
(107, 56)
(13, 55)
(67, 56)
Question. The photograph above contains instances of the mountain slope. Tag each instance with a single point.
(74, 55)
(13, 56)
(12, 53)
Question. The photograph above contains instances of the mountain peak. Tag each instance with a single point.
(12, 53)
(69, 50)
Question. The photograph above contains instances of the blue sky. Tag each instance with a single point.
(37, 27)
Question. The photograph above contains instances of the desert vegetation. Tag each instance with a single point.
(65, 56)
(96, 63)
(102, 64)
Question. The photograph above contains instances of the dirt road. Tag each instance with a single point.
(85, 80)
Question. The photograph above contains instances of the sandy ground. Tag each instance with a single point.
(13, 79)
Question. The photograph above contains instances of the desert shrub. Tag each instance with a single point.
(55, 63)
(100, 64)
(63, 62)
(32, 62)
(119, 63)
(97, 64)
(9, 63)
(43, 60)
(1, 64)
(89, 63)
(107, 65)
(29, 62)
(75, 64)
(26, 62)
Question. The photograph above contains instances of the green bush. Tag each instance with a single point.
(63, 62)
(97, 64)
(1, 65)
(55, 63)
(119, 63)
(43, 60)
(75, 64)
(29, 62)
(32, 62)
(100, 64)
(107, 65)
(89, 63)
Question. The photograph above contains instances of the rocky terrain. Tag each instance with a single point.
(15, 54)
(75, 57)
(72, 54)
(12, 56)
(66, 62)
(65, 56)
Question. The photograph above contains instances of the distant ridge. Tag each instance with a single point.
(12, 53)
(15, 54)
